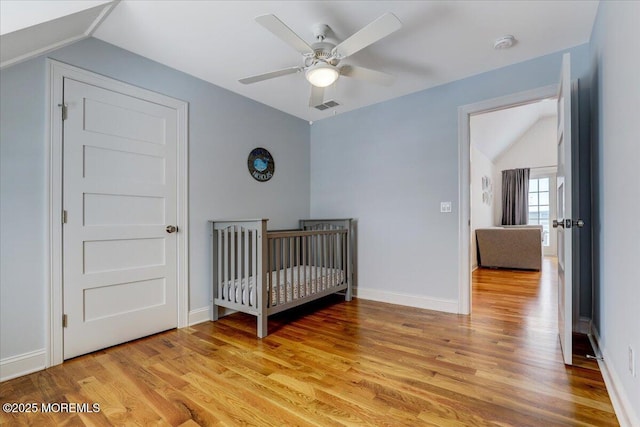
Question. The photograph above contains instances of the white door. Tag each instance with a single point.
(119, 194)
(564, 223)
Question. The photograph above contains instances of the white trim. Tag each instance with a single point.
(199, 315)
(417, 301)
(57, 72)
(183, 213)
(549, 172)
(621, 403)
(22, 364)
(62, 43)
(100, 18)
(42, 51)
(464, 160)
(464, 212)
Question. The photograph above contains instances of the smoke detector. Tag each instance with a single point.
(504, 42)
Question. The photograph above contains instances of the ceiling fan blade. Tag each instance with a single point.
(367, 74)
(378, 29)
(270, 75)
(280, 29)
(317, 96)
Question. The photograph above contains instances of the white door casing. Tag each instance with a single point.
(549, 172)
(124, 276)
(464, 148)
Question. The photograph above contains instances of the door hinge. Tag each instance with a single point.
(64, 111)
(64, 320)
(64, 217)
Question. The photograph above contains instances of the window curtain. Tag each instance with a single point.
(515, 196)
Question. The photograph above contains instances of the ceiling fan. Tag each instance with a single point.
(321, 59)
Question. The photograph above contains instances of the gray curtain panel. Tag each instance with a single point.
(515, 196)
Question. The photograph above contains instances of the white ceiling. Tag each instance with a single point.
(219, 41)
(494, 132)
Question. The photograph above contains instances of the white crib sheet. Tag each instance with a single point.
(296, 282)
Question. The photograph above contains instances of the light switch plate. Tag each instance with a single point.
(445, 206)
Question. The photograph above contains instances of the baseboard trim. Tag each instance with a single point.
(428, 303)
(22, 364)
(621, 404)
(199, 315)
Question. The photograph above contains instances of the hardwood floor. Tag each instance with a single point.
(337, 363)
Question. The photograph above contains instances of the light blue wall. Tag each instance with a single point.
(615, 61)
(23, 208)
(391, 164)
(223, 128)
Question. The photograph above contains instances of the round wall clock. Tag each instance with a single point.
(261, 164)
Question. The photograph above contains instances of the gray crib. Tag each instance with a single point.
(262, 272)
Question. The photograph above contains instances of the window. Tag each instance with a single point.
(539, 205)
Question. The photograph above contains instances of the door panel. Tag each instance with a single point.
(120, 192)
(564, 208)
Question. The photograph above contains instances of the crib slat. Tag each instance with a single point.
(232, 264)
(219, 264)
(291, 251)
(332, 242)
(238, 239)
(278, 267)
(289, 257)
(237, 258)
(246, 275)
(300, 282)
(304, 262)
(225, 266)
(319, 266)
(323, 261)
(254, 265)
(314, 262)
(285, 258)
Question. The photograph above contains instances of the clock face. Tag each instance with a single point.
(261, 164)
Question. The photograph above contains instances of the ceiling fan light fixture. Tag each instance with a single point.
(322, 74)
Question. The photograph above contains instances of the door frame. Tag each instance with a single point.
(464, 159)
(56, 72)
(549, 172)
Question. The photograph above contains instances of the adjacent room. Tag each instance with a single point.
(319, 213)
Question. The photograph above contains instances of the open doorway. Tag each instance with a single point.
(515, 137)
(467, 244)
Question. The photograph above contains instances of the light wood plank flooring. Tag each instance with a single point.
(337, 363)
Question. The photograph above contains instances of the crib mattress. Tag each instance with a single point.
(295, 282)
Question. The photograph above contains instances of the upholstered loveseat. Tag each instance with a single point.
(518, 247)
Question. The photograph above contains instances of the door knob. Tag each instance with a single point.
(578, 223)
(568, 223)
(171, 229)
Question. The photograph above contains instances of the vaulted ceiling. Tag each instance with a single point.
(494, 132)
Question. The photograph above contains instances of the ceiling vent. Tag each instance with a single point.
(326, 105)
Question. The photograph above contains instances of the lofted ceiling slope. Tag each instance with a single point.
(492, 133)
